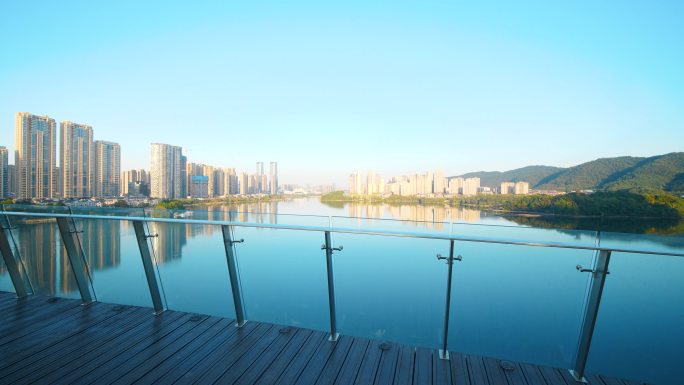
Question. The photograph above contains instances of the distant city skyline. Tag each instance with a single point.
(325, 88)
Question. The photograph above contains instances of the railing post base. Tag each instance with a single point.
(334, 338)
(577, 378)
(240, 324)
(443, 354)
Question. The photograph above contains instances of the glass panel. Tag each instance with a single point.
(283, 276)
(583, 238)
(43, 254)
(391, 288)
(192, 267)
(113, 255)
(5, 280)
(519, 303)
(639, 333)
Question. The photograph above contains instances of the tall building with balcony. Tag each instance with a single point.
(470, 186)
(107, 169)
(273, 178)
(244, 183)
(35, 155)
(76, 157)
(165, 171)
(3, 172)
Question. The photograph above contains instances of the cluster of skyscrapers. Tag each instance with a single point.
(91, 168)
(172, 177)
(87, 168)
(428, 184)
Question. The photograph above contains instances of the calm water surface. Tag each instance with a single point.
(511, 302)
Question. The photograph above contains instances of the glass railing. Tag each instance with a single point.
(609, 303)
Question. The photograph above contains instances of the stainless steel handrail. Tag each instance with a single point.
(342, 230)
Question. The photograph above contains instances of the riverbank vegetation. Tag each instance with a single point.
(598, 204)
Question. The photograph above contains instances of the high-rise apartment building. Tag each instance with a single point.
(107, 169)
(3, 172)
(521, 188)
(34, 155)
(438, 183)
(139, 177)
(244, 183)
(76, 159)
(507, 188)
(184, 177)
(165, 171)
(470, 186)
(273, 180)
(11, 180)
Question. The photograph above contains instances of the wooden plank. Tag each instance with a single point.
(404, 374)
(41, 363)
(532, 374)
(274, 340)
(422, 372)
(157, 353)
(144, 349)
(302, 339)
(350, 367)
(34, 314)
(213, 355)
(389, 355)
(190, 354)
(55, 349)
(302, 358)
(476, 370)
(256, 370)
(76, 368)
(369, 365)
(553, 376)
(227, 359)
(68, 350)
(459, 369)
(331, 350)
(516, 376)
(495, 373)
(75, 320)
(33, 331)
(332, 368)
(441, 369)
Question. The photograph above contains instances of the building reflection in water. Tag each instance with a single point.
(48, 265)
(430, 217)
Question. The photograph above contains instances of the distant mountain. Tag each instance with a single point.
(530, 174)
(661, 172)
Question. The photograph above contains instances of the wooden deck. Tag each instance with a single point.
(51, 340)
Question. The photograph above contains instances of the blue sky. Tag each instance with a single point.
(326, 89)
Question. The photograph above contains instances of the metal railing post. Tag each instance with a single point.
(327, 246)
(595, 292)
(148, 265)
(76, 259)
(228, 243)
(443, 352)
(20, 287)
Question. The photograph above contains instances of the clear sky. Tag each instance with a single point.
(326, 89)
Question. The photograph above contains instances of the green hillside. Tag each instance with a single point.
(530, 174)
(656, 173)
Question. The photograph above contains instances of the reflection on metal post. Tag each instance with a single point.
(76, 260)
(233, 275)
(327, 246)
(596, 284)
(443, 352)
(148, 265)
(8, 256)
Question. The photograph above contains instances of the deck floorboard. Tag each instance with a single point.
(45, 341)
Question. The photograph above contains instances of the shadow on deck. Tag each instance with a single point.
(55, 340)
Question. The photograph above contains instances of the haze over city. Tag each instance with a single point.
(330, 89)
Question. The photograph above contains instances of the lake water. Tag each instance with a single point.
(511, 302)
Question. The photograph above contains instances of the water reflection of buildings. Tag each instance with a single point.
(46, 260)
(423, 216)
